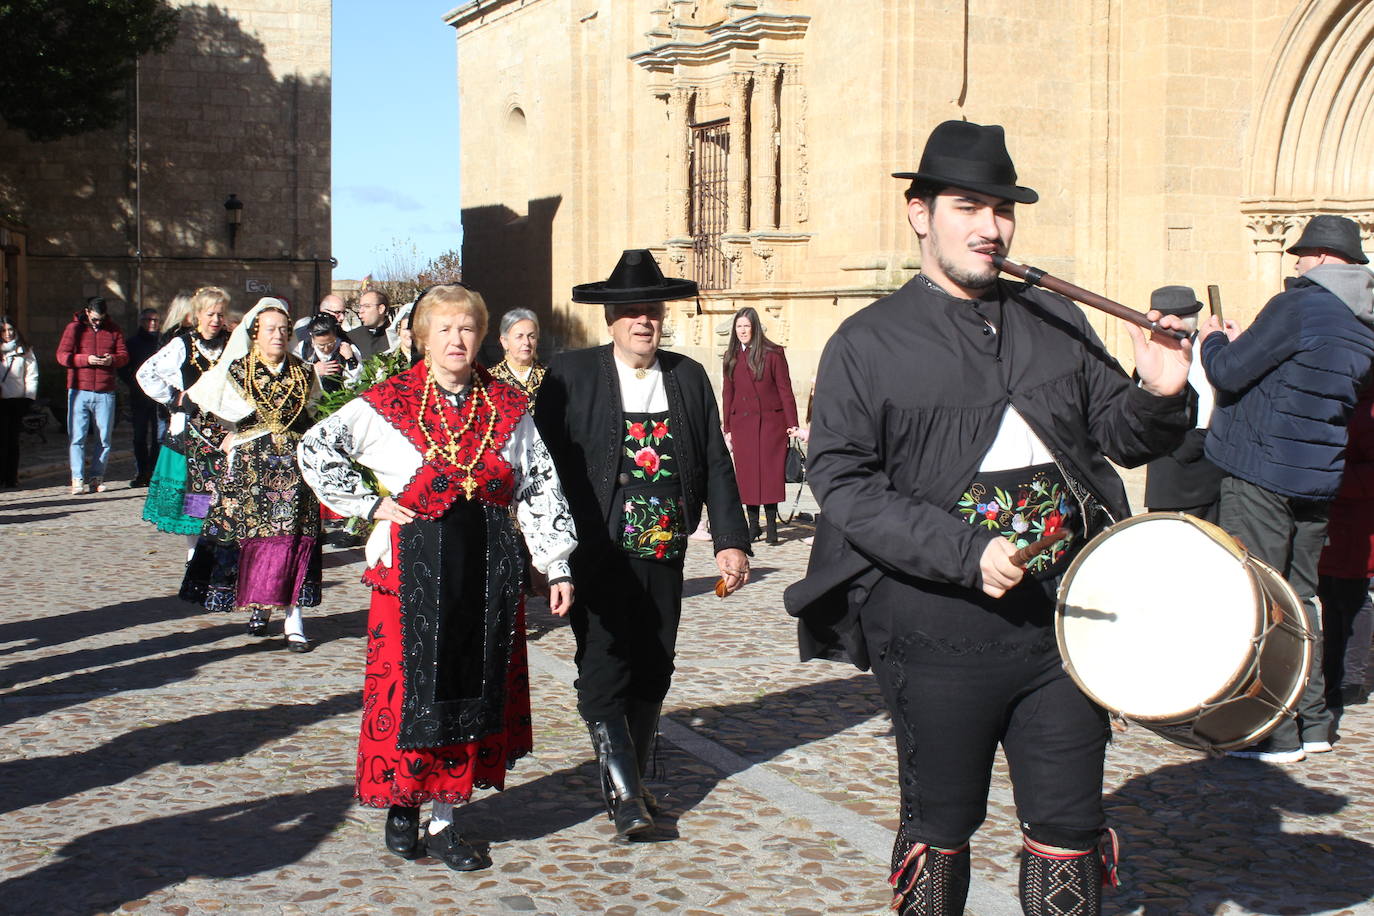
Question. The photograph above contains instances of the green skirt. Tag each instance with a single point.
(165, 506)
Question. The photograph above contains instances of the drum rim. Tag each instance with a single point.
(1233, 547)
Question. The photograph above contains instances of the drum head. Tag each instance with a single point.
(1157, 616)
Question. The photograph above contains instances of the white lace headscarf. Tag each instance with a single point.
(216, 392)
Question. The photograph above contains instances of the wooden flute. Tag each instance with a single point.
(1034, 276)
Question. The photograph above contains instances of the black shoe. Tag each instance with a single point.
(620, 781)
(1354, 695)
(454, 851)
(139, 481)
(257, 624)
(403, 832)
(299, 644)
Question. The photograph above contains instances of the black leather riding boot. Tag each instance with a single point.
(643, 721)
(620, 782)
(752, 514)
(771, 511)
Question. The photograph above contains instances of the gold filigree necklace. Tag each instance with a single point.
(449, 449)
(294, 388)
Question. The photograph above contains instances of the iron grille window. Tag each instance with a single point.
(710, 152)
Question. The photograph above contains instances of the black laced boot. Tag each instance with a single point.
(752, 513)
(1059, 883)
(931, 882)
(643, 721)
(620, 783)
(771, 511)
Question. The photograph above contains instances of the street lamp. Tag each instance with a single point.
(233, 215)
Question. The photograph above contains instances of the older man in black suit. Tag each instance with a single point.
(635, 434)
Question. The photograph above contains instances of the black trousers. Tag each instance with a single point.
(147, 432)
(961, 673)
(625, 620)
(1288, 534)
(12, 411)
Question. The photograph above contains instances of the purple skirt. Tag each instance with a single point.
(273, 571)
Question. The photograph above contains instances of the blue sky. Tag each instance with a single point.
(395, 134)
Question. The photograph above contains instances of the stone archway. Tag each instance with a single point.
(1309, 144)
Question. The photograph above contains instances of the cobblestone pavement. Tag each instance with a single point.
(156, 759)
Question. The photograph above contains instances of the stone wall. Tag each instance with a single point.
(240, 104)
(1171, 143)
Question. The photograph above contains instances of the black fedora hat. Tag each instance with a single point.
(1175, 300)
(1334, 233)
(972, 156)
(635, 279)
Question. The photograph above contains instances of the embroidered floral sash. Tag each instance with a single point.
(1023, 506)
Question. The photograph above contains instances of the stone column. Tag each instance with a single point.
(765, 138)
(679, 164)
(796, 165)
(1270, 231)
(738, 162)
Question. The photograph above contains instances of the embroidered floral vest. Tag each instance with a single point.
(651, 524)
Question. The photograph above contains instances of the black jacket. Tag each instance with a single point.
(369, 341)
(910, 394)
(1184, 478)
(580, 418)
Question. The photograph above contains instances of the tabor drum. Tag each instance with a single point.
(1165, 620)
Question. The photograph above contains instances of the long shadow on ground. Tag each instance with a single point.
(770, 726)
(35, 669)
(104, 869)
(41, 699)
(196, 741)
(1198, 835)
(41, 632)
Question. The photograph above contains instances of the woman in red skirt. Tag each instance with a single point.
(446, 705)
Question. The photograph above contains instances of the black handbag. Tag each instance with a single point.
(794, 467)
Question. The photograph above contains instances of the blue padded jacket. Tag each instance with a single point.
(1286, 386)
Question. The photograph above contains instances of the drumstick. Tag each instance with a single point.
(1024, 555)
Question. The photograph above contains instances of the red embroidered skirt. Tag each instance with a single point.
(387, 776)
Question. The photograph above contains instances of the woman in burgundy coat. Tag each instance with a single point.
(759, 415)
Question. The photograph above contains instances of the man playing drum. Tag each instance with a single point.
(956, 421)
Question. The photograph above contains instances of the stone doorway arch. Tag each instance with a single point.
(1310, 140)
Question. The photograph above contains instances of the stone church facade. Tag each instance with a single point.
(239, 105)
(749, 143)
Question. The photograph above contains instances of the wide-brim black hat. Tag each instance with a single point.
(635, 279)
(973, 156)
(1334, 233)
(1175, 300)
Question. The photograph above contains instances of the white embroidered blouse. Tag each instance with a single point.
(357, 434)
